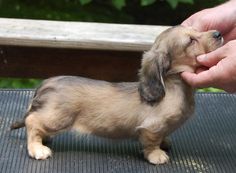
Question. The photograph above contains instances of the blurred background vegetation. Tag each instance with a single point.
(149, 12)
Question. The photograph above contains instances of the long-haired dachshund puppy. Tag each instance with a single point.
(148, 110)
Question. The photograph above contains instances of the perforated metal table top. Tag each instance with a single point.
(206, 143)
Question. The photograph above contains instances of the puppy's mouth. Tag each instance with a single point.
(220, 42)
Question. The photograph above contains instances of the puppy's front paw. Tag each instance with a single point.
(39, 151)
(158, 156)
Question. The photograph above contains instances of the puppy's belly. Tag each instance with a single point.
(115, 132)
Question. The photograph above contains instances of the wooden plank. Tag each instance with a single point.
(33, 62)
(82, 35)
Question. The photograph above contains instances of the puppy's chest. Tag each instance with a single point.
(179, 109)
(180, 113)
(173, 111)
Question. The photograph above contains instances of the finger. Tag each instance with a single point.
(212, 58)
(203, 79)
(187, 22)
(190, 78)
(195, 25)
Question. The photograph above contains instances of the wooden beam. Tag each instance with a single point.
(77, 35)
(36, 62)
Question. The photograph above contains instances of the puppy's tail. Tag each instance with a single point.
(21, 123)
(18, 124)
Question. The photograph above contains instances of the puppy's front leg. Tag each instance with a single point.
(151, 142)
(165, 144)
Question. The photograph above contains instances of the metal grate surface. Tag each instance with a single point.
(206, 143)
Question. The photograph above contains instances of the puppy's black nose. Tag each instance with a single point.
(217, 35)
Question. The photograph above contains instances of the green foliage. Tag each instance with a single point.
(67, 10)
(110, 11)
(119, 4)
(84, 2)
(174, 3)
(147, 2)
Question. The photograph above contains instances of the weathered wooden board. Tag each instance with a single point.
(82, 35)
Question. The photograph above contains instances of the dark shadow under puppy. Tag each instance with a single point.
(148, 110)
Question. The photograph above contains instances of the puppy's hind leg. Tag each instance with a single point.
(35, 135)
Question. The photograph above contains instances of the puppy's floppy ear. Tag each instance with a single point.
(154, 67)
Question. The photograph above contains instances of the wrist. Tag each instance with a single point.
(230, 4)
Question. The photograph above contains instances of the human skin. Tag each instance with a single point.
(218, 68)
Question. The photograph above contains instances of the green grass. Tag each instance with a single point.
(19, 83)
(210, 90)
(15, 83)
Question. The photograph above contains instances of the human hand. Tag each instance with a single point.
(219, 69)
(221, 18)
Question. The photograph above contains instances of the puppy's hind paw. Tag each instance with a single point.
(39, 152)
(158, 156)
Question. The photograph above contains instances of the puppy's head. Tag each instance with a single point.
(174, 51)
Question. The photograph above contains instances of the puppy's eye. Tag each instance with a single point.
(192, 41)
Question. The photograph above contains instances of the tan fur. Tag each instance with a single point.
(148, 110)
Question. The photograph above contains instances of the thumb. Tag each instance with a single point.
(212, 58)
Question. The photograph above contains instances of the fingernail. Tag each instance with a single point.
(201, 58)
